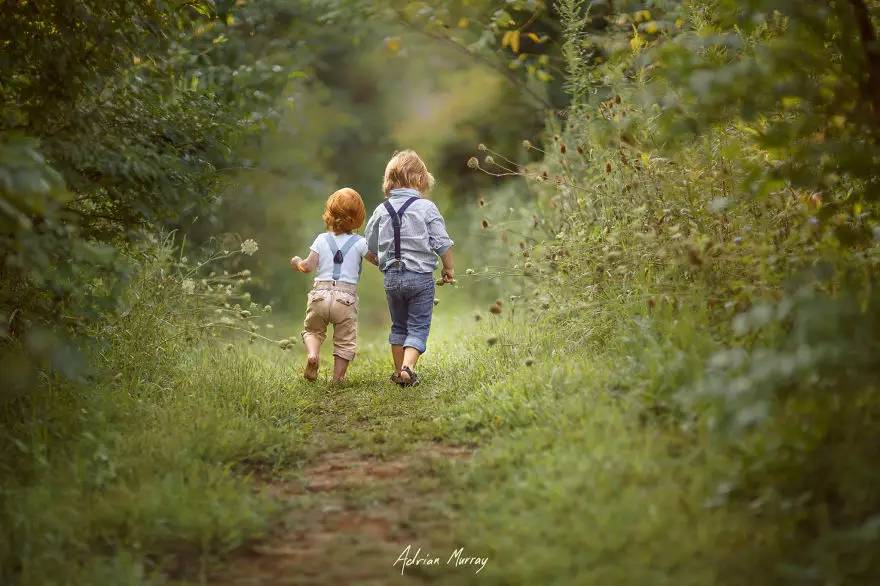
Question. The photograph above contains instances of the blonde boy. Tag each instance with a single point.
(408, 234)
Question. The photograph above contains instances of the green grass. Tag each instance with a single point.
(579, 475)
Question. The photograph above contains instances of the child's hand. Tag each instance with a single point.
(294, 264)
(448, 275)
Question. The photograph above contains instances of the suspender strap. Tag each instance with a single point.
(339, 253)
(396, 217)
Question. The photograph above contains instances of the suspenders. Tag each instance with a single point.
(396, 217)
(339, 253)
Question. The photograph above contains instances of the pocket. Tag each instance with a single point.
(348, 299)
(316, 295)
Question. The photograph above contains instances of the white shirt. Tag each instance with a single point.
(351, 262)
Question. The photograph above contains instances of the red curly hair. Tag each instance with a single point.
(344, 211)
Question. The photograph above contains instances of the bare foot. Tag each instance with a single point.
(311, 371)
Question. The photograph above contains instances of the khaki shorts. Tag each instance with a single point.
(332, 302)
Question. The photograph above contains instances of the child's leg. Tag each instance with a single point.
(340, 366)
(397, 352)
(418, 321)
(343, 314)
(398, 307)
(314, 332)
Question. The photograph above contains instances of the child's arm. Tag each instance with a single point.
(448, 272)
(372, 258)
(305, 266)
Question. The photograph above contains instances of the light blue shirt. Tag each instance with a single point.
(351, 262)
(423, 234)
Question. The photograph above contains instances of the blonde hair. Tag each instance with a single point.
(407, 169)
(344, 211)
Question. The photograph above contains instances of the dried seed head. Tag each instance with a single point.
(485, 224)
(489, 160)
(481, 147)
(608, 167)
(469, 272)
(529, 361)
(482, 202)
(580, 150)
(436, 302)
(477, 317)
(473, 163)
(526, 144)
(616, 99)
(562, 148)
(494, 309)
(499, 303)
(492, 340)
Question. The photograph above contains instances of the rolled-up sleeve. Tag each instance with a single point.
(372, 233)
(438, 238)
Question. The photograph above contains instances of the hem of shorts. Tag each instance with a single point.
(345, 355)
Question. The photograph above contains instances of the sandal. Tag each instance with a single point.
(413, 377)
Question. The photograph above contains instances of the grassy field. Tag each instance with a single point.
(547, 466)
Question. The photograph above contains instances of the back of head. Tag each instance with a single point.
(344, 211)
(406, 169)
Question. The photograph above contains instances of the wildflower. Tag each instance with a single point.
(245, 273)
(469, 272)
(284, 344)
(184, 260)
(188, 286)
(485, 224)
(492, 340)
(267, 309)
(249, 247)
(481, 147)
(473, 163)
(526, 144)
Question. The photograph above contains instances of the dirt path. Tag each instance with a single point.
(348, 516)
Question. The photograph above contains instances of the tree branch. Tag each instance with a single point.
(872, 54)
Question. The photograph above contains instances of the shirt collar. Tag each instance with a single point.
(404, 192)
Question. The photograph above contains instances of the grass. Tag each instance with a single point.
(576, 476)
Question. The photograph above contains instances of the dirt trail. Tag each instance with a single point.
(348, 517)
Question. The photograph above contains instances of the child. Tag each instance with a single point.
(333, 299)
(408, 234)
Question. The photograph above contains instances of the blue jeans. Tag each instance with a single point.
(411, 303)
